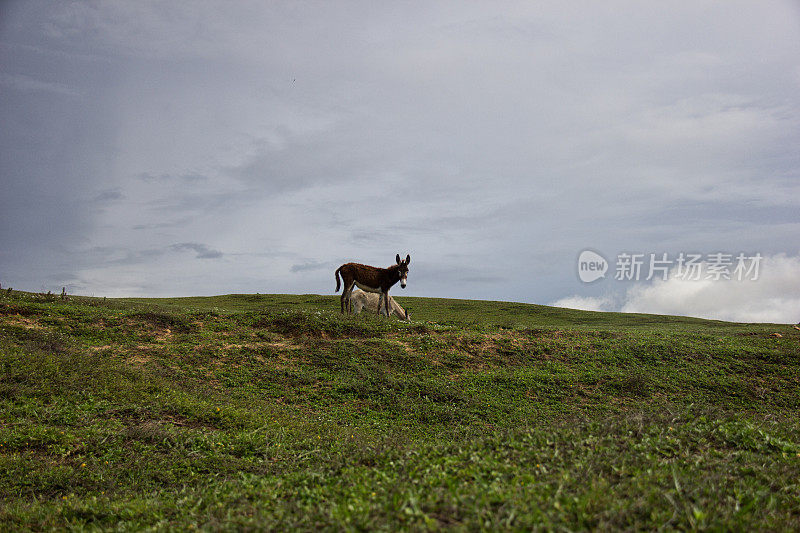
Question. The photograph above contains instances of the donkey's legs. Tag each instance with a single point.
(383, 304)
(350, 298)
(345, 298)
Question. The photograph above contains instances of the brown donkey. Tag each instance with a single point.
(371, 279)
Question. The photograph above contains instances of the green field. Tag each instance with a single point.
(274, 412)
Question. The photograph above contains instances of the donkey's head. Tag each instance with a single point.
(402, 269)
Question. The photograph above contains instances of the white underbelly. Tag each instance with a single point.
(367, 289)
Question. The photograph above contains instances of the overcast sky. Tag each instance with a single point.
(197, 148)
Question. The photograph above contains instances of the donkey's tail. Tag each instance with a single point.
(338, 281)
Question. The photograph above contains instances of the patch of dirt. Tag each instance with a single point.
(159, 333)
(283, 345)
(139, 358)
(26, 323)
(163, 335)
(100, 348)
(405, 345)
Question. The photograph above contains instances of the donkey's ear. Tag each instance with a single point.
(408, 258)
(398, 259)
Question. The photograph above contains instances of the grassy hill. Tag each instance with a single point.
(275, 412)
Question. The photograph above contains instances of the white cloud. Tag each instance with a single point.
(773, 297)
(585, 303)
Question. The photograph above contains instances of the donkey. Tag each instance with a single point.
(371, 279)
(371, 301)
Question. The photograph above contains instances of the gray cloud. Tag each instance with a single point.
(109, 195)
(310, 265)
(497, 144)
(300, 163)
(21, 82)
(203, 251)
(148, 177)
(184, 221)
(120, 256)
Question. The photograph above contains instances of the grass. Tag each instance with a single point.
(275, 412)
